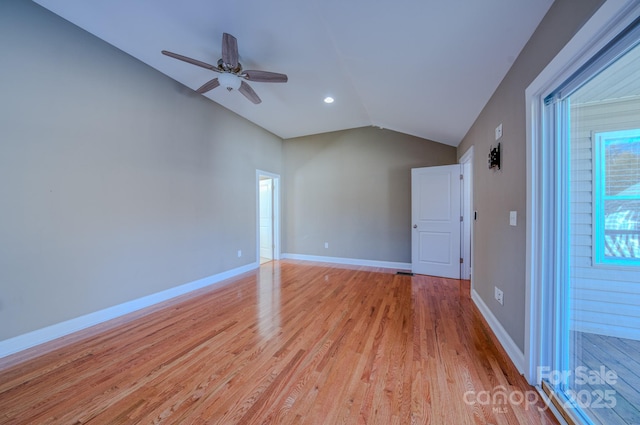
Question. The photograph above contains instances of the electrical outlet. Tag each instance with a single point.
(499, 132)
(239, 253)
(326, 244)
(499, 296)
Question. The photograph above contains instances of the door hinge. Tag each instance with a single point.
(461, 218)
(461, 261)
(461, 176)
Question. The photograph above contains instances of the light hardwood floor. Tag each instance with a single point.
(291, 343)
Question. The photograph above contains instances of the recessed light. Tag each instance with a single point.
(328, 99)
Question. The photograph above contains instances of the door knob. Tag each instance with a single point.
(415, 226)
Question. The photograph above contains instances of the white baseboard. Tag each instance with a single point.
(40, 336)
(516, 355)
(348, 261)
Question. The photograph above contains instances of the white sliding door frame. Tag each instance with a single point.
(542, 208)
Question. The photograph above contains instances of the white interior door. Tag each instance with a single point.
(266, 219)
(435, 215)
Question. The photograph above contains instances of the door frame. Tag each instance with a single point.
(466, 163)
(276, 219)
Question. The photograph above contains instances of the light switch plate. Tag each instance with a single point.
(499, 295)
(513, 218)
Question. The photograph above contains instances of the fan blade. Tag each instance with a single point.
(191, 61)
(229, 50)
(248, 92)
(265, 77)
(209, 86)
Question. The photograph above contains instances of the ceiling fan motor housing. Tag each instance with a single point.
(224, 67)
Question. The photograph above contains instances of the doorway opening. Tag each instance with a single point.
(268, 217)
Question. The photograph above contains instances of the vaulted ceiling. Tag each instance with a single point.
(420, 67)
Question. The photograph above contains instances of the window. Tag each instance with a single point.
(617, 198)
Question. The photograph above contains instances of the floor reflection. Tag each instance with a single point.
(268, 295)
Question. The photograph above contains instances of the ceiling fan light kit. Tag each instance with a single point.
(229, 81)
(231, 73)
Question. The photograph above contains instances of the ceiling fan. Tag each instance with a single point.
(232, 75)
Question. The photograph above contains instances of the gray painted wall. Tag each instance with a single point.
(352, 189)
(499, 249)
(117, 182)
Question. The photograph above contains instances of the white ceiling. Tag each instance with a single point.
(420, 67)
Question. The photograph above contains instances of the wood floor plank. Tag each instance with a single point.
(622, 356)
(291, 343)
